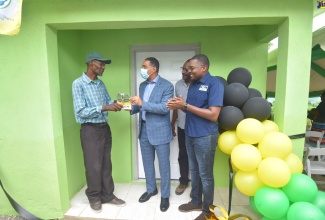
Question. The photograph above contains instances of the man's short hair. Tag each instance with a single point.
(153, 62)
(202, 59)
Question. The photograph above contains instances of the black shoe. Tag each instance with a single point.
(96, 206)
(146, 196)
(164, 204)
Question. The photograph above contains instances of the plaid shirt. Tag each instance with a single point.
(88, 98)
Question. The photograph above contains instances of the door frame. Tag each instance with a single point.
(148, 48)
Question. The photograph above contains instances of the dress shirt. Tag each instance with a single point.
(147, 93)
(89, 96)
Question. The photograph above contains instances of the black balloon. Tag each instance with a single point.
(223, 81)
(240, 75)
(254, 93)
(221, 130)
(235, 94)
(257, 108)
(229, 117)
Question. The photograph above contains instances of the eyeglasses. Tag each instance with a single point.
(184, 69)
(191, 68)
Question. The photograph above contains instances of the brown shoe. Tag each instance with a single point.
(96, 207)
(180, 189)
(188, 207)
(116, 202)
(201, 216)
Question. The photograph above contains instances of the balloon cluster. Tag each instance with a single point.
(240, 101)
(266, 169)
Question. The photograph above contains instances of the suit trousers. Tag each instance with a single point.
(182, 157)
(96, 141)
(148, 157)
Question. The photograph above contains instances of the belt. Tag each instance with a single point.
(89, 123)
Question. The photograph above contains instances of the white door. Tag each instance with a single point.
(170, 63)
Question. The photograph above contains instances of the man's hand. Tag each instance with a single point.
(175, 103)
(136, 100)
(112, 107)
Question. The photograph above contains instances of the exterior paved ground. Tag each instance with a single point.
(11, 217)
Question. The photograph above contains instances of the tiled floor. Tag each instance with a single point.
(150, 210)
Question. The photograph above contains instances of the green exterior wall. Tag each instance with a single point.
(41, 163)
(117, 43)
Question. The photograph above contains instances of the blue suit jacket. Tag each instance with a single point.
(157, 114)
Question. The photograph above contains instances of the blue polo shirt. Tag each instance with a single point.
(206, 92)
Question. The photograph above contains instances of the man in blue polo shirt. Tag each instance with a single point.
(202, 108)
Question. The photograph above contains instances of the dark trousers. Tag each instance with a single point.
(96, 141)
(182, 157)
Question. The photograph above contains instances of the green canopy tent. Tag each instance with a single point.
(317, 67)
(317, 74)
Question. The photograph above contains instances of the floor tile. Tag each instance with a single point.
(195, 214)
(121, 190)
(76, 209)
(181, 199)
(150, 210)
(108, 212)
(246, 210)
(80, 197)
(136, 211)
(172, 213)
(135, 193)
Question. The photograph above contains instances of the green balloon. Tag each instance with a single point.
(300, 188)
(303, 211)
(253, 206)
(271, 202)
(319, 201)
(266, 218)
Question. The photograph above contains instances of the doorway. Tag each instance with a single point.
(171, 58)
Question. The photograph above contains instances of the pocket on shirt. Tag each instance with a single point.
(201, 98)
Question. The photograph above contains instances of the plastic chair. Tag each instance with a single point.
(315, 137)
(312, 166)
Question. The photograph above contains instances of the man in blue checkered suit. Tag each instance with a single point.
(155, 133)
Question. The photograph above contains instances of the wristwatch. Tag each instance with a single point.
(185, 107)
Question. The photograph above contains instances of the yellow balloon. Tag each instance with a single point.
(274, 172)
(270, 126)
(275, 144)
(227, 141)
(234, 168)
(248, 182)
(250, 131)
(246, 157)
(294, 163)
